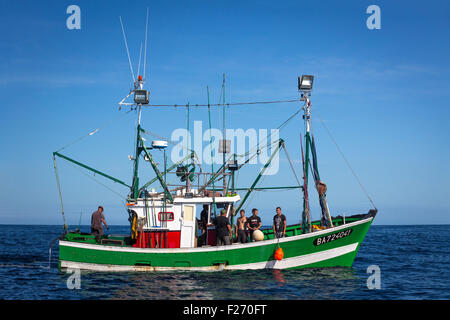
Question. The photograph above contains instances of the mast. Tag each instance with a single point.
(305, 83)
(305, 86)
(224, 140)
(135, 185)
(306, 220)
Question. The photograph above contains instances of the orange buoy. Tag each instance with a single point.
(279, 254)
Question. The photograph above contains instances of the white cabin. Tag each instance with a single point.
(175, 224)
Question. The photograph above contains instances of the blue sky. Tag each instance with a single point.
(382, 93)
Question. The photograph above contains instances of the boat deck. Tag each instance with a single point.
(126, 241)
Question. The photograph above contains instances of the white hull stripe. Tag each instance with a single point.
(209, 249)
(272, 264)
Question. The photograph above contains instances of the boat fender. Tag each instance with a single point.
(258, 235)
(279, 254)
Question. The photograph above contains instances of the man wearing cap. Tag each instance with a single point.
(223, 229)
(96, 224)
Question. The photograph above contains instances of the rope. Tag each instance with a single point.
(346, 161)
(60, 194)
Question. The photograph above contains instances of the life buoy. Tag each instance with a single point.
(279, 254)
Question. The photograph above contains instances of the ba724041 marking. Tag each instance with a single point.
(332, 237)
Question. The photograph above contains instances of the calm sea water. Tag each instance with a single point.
(413, 260)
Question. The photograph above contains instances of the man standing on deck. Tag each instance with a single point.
(254, 223)
(279, 224)
(203, 225)
(223, 229)
(241, 227)
(96, 224)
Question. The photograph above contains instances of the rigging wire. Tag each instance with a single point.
(113, 191)
(279, 128)
(91, 133)
(256, 148)
(60, 194)
(346, 161)
(291, 164)
(222, 104)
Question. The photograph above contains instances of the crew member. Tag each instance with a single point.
(241, 227)
(96, 224)
(223, 229)
(204, 224)
(253, 223)
(279, 224)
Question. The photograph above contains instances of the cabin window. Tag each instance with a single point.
(188, 213)
(165, 216)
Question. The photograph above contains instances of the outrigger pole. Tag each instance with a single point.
(88, 168)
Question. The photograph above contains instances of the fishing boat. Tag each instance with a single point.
(164, 225)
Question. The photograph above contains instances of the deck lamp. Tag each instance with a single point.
(305, 82)
(233, 165)
(159, 144)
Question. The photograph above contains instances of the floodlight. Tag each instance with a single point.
(141, 96)
(305, 82)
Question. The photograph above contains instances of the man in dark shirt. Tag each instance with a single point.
(223, 229)
(279, 224)
(96, 223)
(253, 223)
(204, 217)
(203, 224)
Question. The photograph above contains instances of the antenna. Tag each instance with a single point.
(139, 64)
(126, 46)
(79, 223)
(145, 50)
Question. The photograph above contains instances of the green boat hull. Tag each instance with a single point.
(334, 247)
